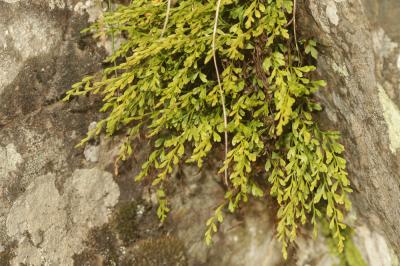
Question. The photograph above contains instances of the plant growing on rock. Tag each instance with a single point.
(190, 84)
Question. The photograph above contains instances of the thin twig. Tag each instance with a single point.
(220, 87)
(294, 26)
(166, 17)
(290, 22)
(112, 38)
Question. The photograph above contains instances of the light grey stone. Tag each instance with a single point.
(331, 12)
(92, 153)
(57, 224)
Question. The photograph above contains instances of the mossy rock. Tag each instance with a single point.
(166, 250)
(7, 254)
(102, 248)
(125, 222)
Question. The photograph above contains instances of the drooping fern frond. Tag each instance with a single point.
(167, 88)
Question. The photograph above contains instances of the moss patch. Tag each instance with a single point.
(165, 250)
(7, 254)
(125, 222)
(102, 245)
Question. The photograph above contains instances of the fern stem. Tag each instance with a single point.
(220, 88)
(166, 18)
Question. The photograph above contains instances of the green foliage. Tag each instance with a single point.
(351, 255)
(309, 48)
(164, 86)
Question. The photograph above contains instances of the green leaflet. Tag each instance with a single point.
(351, 255)
(165, 88)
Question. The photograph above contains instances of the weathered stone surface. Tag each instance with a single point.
(243, 240)
(358, 60)
(47, 205)
(374, 247)
(62, 206)
(50, 227)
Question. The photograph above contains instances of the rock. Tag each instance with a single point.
(161, 251)
(355, 104)
(91, 153)
(62, 206)
(331, 13)
(391, 113)
(10, 159)
(374, 247)
(315, 252)
(51, 227)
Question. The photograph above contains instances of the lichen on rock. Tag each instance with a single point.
(51, 227)
(391, 113)
(10, 159)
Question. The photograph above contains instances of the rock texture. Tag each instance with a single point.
(65, 206)
(49, 226)
(359, 61)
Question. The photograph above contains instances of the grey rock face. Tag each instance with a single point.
(63, 206)
(50, 198)
(359, 61)
(49, 226)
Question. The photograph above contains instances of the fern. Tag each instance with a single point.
(166, 88)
